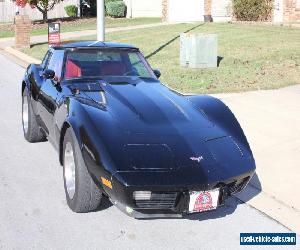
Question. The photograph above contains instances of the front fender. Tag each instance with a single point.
(90, 137)
(221, 115)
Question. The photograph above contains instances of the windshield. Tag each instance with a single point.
(87, 63)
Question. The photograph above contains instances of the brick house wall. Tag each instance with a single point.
(291, 11)
(207, 7)
(22, 31)
(298, 10)
(165, 7)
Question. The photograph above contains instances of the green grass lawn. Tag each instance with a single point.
(80, 24)
(254, 57)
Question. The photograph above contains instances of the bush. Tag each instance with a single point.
(71, 10)
(252, 10)
(109, 1)
(93, 4)
(116, 9)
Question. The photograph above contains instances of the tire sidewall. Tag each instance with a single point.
(34, 133)
(25, 95)
(69, 138)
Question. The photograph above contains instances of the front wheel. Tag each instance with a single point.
(82, 193)
(31, 129)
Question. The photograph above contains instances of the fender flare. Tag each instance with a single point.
(71, 123)
(26, 82)
(220, 114)
(77, 121)
(80, 122)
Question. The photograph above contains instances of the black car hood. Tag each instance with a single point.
(149, 107)
(161, 130)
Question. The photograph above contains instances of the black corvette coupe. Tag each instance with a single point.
(119, 132)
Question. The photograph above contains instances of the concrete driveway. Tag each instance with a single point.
(271, 121)
(34, 213)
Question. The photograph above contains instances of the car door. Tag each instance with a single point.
(49, 92)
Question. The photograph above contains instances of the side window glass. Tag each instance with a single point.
(56, 62)
(46, 59)
(138, 65)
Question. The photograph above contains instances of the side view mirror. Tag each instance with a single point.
(48, 74)
(157, 73)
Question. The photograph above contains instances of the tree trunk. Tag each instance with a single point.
(45, 16)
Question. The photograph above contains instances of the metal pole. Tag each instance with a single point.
(130, 8)
(100, 21)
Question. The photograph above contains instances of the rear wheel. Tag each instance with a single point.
(82, 193)
(31, 130)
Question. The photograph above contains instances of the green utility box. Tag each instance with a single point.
(198, 50)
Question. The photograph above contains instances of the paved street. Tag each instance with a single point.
(34, 214)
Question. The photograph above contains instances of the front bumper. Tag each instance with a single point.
(168, 201)
(177, 210)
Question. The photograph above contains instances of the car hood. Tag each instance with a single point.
(154, 129)
(143, 106)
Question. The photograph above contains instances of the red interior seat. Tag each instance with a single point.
(72, 70)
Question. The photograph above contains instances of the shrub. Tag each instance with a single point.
(109, 1)
(93, 4)
(71, 10)
(116, 9)
(252, 10)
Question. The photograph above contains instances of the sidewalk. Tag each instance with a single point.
(7, 42)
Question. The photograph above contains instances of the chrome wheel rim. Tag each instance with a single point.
(25, 114)
(69, 171)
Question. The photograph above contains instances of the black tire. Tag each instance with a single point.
(33, 132)
(87, 196)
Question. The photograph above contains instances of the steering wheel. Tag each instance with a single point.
(132, 72)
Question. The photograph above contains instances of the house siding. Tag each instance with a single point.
(220, 10)
(185, 11)
(144, 8)
(8, 9)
